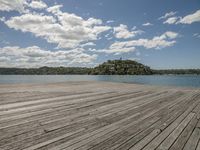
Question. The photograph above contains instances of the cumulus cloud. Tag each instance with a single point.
(122, 32)
(68, 32)
(36, 57)
(21, 5)
(13, 5)
(171, 20)
(191, 18)
(169, 34)
(147, 24)
(157, 42)
(55, 9)
(118, 49)
(172, 13)
(37, 4)
(188, 19)
(71, 33)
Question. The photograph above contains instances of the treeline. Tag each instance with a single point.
(177, 71)
(45, 71)
(111, 67)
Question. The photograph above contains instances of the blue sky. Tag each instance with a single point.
(160, 34)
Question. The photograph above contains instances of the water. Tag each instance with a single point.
(169, 80)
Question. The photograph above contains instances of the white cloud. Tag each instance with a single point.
(110, 21)
(55, 9)
(114, 49)
(171, 20)
(2, 19)
(68, 32)
(13, 5)
(72, 34)
(37, 4)
(118, 49)
(88, 44)
(157, 42)
(188, 19)
(191, 18)
(172, 13)
(147, 24)
(197, 35)
(169, 34)
(36, 57)
(122, 32)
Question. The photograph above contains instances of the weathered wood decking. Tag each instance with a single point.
(98, 116)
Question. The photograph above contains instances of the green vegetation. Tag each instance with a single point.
(111, 67)
(121, 67)
(45, 71)
(177, 71)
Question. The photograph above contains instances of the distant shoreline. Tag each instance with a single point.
(111, 67)
(98, 75)
(86, 71)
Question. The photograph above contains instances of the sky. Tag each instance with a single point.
(160, 34)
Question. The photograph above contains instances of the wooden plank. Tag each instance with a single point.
(189, 101)
(43, 101)
(19, 128)
(198, 125)
(182, 139)
(15, 131)
(166, 116)
(91, 138)
(158, 140)
(69, 101)
(117, 141)
(198, 146)
(146, 140)
(112, 116)
(64, 113)
(33, 108)
(32, 96)
(118, 138)
(166, 144)
(52, 140)
(193, 140)
(96, 133)
(67, 104)
(52, 135)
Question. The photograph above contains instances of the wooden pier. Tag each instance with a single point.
(98, 116)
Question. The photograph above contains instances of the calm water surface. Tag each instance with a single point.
(169, 80)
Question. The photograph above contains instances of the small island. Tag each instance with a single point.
(111, 67)
(121, 67)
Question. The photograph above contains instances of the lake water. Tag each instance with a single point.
(169, 80)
